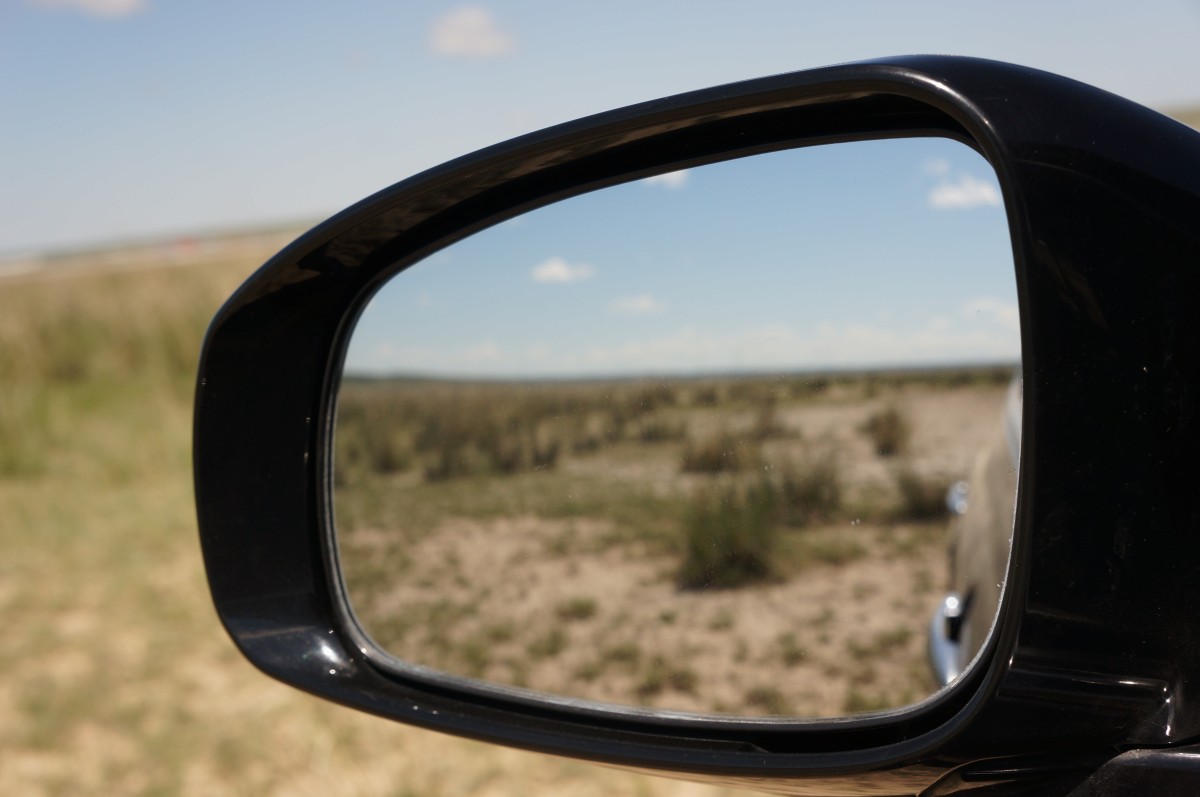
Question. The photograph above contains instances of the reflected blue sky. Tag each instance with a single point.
(883, 253)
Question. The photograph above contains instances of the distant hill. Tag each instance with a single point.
(175, 250)
(1189, 116)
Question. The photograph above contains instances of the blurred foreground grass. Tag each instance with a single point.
(115, 676)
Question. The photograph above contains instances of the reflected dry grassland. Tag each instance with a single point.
(753, 545)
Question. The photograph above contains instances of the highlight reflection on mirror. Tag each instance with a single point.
(686, 443)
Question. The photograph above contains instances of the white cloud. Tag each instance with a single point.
(481, 353)
(558, 270)
(98, 8)
(470, 32)
(641, 304)
(1003, 313)
(692, 349)
(538, 352)
(937, 167)
(965, 192)
(669, 180)
(780, 346)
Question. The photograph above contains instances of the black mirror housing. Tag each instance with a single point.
(1095, 649)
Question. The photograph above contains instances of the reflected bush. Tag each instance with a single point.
(660, 430)
(367, 439)
(723, 453)
(731, 537)
(766, 424)
(920, 498)
(811, 491)
(706, 396)
(889, 431)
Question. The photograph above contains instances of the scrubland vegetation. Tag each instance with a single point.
(768, 544)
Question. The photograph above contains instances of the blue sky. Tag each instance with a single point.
(132, 118)
(883, 253)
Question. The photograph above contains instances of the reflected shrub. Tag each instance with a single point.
(811, 491)
(766, 425)
(661, 676)
(706, 396)
(723, 453)
(731, 537)
(370, 440)
(889, 431)
(920, 498)
(660, 430)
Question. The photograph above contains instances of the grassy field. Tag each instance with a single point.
(117, 678)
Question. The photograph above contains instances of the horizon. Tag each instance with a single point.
(916, 370)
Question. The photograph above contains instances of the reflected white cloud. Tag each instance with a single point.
(669, 180)
(936, 166)
(965, 192)
(1001, 312)
(641, 304)
(984, 332)
(485, 352)
(556, 269)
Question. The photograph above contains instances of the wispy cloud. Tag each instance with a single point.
(964, 192)
(556, 269)
(642, 304)
(97, 8)
(470, 32)
(938, 167)
(483, 353)
(669, 180)
(1002, 313)
(962, 338)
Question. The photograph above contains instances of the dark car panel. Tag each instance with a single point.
(986, 504)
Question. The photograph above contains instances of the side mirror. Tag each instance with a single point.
(1082, 646)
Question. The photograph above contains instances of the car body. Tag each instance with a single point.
(984, 505)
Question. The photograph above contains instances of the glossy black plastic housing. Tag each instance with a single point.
(1096, 648)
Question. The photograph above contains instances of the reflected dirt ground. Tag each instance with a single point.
(752, 546)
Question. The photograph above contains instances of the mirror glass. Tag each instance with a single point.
(702, 442)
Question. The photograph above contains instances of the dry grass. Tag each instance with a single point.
(117, 678)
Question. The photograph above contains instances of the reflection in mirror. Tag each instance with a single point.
(694, 442)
